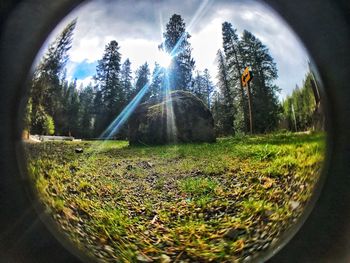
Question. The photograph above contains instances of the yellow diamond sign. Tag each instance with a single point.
(246, 76)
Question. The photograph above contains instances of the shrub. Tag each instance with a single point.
(49, 126)
(42, 123)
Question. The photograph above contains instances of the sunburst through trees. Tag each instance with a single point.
(165, 168)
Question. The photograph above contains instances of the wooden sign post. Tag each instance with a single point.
(247, 76)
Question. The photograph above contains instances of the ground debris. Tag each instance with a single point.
(145, 164)
(143, 258)
(233, 233)
(294, 204)
(185, 203)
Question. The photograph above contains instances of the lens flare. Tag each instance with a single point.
(164, 59)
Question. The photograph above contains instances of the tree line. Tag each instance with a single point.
(56, 106)
(301, 109)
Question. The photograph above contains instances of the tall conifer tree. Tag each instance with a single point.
(265, 103)
(142, 78)
(86, 98)
(235, 66)
(177, 45)
(226, 98)
(208, 87)
(126, 79)
(156, 91)
(48, 80)
(109, 85)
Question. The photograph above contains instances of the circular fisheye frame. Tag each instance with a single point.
(30, 219)
(169, 164)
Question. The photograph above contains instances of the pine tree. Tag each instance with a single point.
(109, 85)
(156, 91)
(177, 45)
(203, 87)
(218, 110)
(142, 78)
(265, 105)
(46, 92)
(199, 86)
(235, 66)
(86, 98)
(226, 98)
(73, 110)
(98, 116)
(126, 79)
(208, 87)
(302, 102)
(309, 102)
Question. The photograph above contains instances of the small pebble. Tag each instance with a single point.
(109, 249)
(233, 234)
(79, 150)
(265, 246)
(294, 204)
(247, 259)
(164, 258)
(274, 242)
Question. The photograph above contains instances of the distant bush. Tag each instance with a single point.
(49, 126)
(299, 107)
(42, 122)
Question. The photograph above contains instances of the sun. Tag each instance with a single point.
(164, 59)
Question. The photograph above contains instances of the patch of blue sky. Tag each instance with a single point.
(83, 70)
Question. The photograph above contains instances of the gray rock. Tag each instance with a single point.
(179, 118)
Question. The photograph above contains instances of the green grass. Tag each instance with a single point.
(197, 186)
(192, 202)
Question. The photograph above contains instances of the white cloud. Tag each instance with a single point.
(205, 45)
(90, 49)
(136, 25)
(140, 51)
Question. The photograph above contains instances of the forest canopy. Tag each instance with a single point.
(57, 106)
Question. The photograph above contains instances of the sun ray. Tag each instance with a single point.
(120, 120)
(169, 109)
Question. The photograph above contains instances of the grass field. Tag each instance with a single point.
(219, 202)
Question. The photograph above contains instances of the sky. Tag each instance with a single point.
(138, 25)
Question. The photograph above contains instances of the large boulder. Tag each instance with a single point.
(180, 117)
